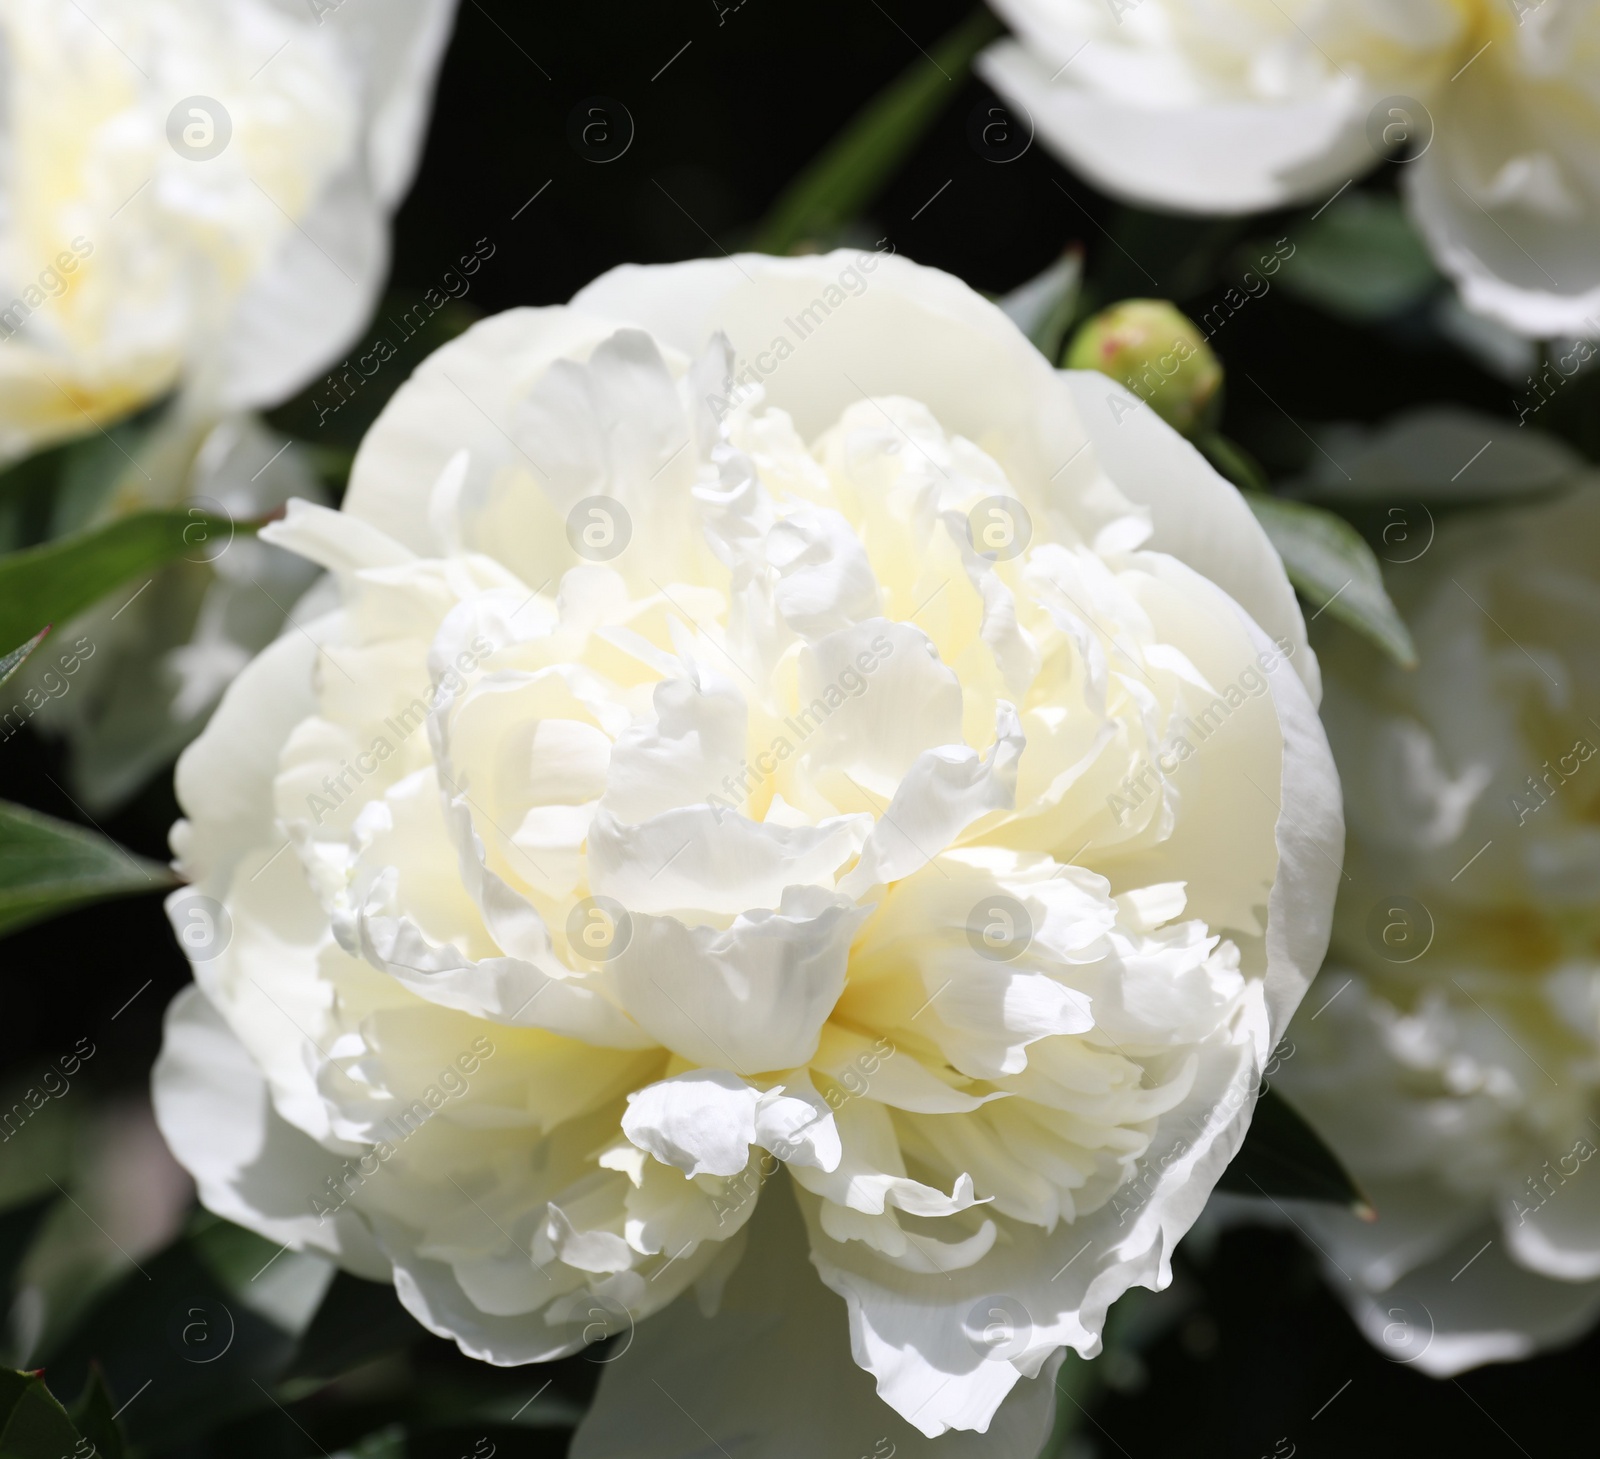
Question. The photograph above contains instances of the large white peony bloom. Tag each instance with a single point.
(1451, 1048)
(1232, 106)
(196, 189)
(670, 806)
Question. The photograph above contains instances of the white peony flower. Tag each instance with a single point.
(1232, 106)
(671, 806)
(195, 201)
(196, 189)
(1452, 1049)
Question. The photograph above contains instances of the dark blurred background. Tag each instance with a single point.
(727, 104)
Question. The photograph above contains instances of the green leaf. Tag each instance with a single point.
(33, 1424)
(50, 583)
(95, 1417)
(187, 1352)
(19, 656)
(1284, 1157)
(848, 174)
(1233, 461)
(1335, 570)
(387, 1443)
(48, 866)
(1044, 307)
(1361, 259)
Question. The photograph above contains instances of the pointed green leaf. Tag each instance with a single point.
(49, 583)
(387, 1443)
(1043, 308)
(19, 656)
(94, 1415)
(1233, 461)
(182, 1353)
(33, 1425)
(47, 866)
(1335, 570)
(1361, 259)
(834, 189)
(1284, 1157)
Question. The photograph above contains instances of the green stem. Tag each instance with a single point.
(860, 160)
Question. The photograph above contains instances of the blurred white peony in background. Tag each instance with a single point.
(196, 193)
(787, 773)
(1450, 1051)
(194, 207)
(1232, 106)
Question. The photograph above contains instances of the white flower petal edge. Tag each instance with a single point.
(1236, 107)
(250, 1163)
(579, 883)
(1453, 1060)
(770, 1373)
(137, 265)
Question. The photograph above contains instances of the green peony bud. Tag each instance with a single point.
(1155, 351)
